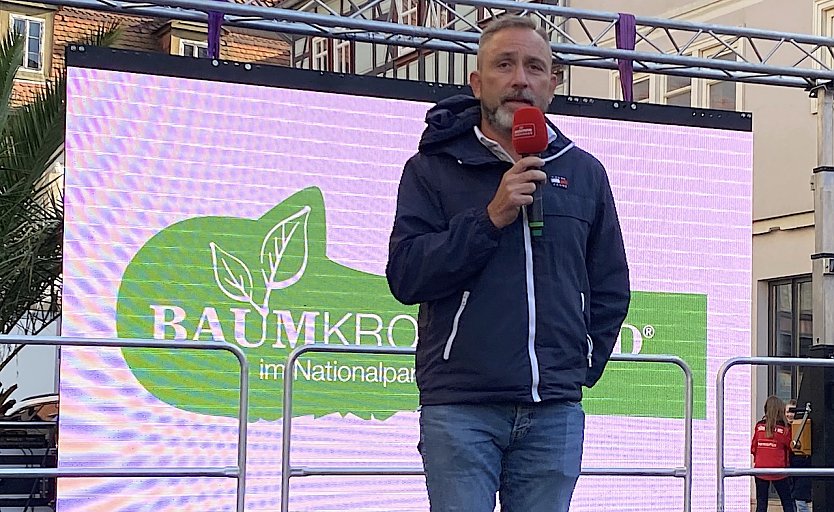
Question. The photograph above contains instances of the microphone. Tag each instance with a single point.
(530, 138)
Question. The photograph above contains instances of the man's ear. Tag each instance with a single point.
(554, 82)
(475, 83)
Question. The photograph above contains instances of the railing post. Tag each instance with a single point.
(238, 472)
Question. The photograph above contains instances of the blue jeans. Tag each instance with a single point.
(531, 454)
(802, 506)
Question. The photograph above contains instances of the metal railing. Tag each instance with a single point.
(288, 471)
(725, 472)
(238, 472)
(36, 425)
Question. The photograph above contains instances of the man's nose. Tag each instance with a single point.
(520, 79)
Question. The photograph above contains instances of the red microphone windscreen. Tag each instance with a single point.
(529, 131)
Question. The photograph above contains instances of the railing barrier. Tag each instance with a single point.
(724, 472)
(238, 472)
(288, 470)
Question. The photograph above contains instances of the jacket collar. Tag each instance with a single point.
(450, 130)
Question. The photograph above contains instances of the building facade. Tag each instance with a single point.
(342, 56)
(49, 29)
(785, 153)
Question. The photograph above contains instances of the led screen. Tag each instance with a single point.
(259, 216)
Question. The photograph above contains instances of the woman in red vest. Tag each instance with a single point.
(771, 448)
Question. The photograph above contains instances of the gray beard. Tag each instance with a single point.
(499, 118)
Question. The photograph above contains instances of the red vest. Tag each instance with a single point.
(771, 452)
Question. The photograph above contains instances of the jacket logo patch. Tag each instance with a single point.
(559, 181)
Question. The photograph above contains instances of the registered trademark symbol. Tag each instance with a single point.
(648, 331)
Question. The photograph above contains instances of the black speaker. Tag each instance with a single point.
(817, 388)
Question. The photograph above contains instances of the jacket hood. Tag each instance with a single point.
(451, 122)
(449, 119)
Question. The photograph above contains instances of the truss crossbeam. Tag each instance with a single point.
(662, 44)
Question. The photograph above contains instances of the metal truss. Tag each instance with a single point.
(579, 37)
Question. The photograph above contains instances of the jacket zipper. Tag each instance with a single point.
(448, 349)
(590, 350)
(588, 338)
(531, 294)
(531, 310)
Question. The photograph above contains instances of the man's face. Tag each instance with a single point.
(514, 71)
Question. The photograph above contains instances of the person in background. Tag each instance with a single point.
(801, 488)
(771, 448)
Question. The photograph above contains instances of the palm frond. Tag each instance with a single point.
(31, 203)
(33, 137)
(105, 35)
(11, 58)
(5, 402)
(29, 266)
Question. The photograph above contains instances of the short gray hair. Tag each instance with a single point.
(511, 21)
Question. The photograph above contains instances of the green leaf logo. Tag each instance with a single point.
(233, 283)
(279, 245)
(268, 286)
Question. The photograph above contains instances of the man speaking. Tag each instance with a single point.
(513, 321)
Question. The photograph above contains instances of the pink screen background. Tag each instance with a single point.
(144, 152)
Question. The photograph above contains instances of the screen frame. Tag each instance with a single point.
(149, 65)
(219, 70)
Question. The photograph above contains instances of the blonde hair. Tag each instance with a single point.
(774, 410)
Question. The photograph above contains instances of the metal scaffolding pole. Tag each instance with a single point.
(663, 46)
(823, 257)
(817, 382)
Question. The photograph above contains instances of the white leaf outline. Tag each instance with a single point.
(240, 282)
(276, 251)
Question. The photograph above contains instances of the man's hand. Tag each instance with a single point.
(515, 190)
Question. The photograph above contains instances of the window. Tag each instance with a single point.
(824, 26)
(330, 55)
(642, 86)
(721, 95)
(409, 14)
(641, 90)
(32, 31)
(341, 50)
(684, 91)
(437, 16)
(193, 48)
(318, 54)
(791, 331)
(678, 91)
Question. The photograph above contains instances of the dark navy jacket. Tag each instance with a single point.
(505, 317)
